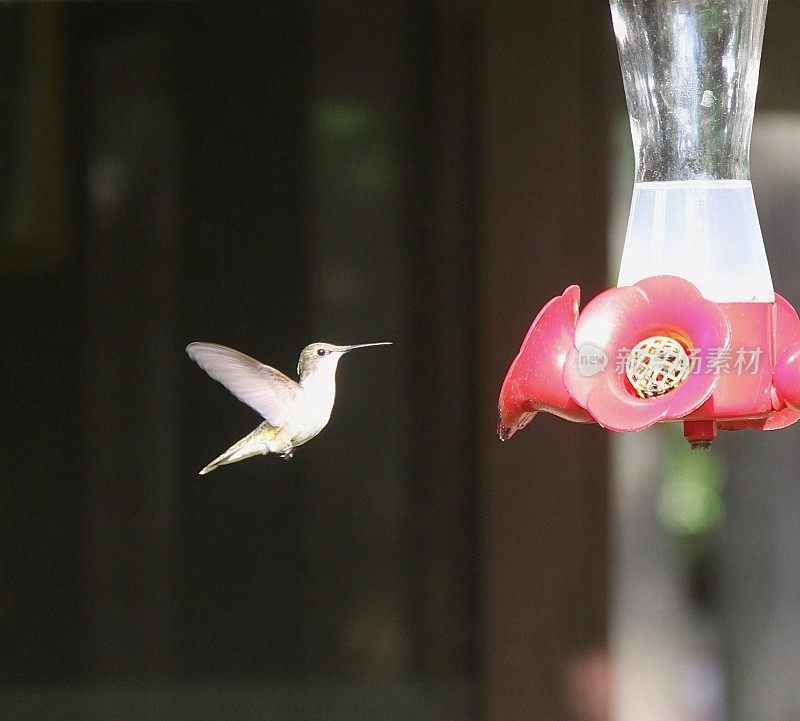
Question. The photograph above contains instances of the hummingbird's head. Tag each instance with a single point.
(319, 357)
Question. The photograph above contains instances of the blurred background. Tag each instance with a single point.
(267, 174)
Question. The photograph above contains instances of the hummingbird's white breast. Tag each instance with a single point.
(315, 404)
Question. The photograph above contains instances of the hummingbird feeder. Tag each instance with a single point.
(693, 332)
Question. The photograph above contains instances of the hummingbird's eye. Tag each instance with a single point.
(321, 351)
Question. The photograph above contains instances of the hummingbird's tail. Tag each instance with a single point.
(253, 444)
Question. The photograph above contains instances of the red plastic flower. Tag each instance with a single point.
(786, 379)
(617, 321)
(533, 382)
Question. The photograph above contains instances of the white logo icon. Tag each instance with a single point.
(591, 360)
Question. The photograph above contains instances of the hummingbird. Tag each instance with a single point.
(293, 411)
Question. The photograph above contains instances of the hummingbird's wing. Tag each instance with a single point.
(263, 388)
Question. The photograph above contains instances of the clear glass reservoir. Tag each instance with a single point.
(690, 69)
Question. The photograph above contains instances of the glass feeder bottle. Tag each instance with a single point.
(690, 71)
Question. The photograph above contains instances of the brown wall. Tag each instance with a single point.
(545, 492)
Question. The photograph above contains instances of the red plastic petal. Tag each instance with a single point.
(533, 382)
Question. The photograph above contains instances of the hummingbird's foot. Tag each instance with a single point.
(287, 454)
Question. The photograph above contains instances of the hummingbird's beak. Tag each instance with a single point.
(348, 348)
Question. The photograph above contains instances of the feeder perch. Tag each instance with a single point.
(693, 332)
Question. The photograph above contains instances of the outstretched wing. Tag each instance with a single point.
(263, 388)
